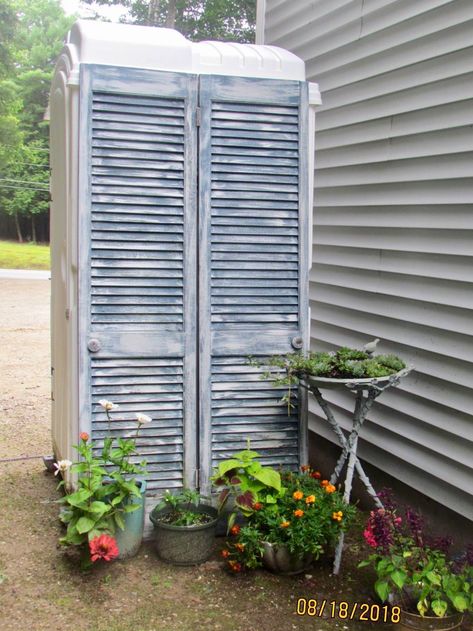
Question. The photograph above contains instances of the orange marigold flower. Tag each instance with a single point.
(324, 483)
(235, 530)
(298, 495)
(305, 467)
(225, 553)
(330, 488)
(235, 566)
(299, 513)
(316, 475)
(310, 499)
(285, 524)
(240, 546)
(337, 516)
(84, 436)
(257, 506)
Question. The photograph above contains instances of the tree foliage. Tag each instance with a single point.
(225, 20)
(32, 35)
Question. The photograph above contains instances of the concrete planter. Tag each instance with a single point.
(184, 545)
(279, 560)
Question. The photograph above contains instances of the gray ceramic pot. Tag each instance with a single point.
(184, 545)
(279, 560)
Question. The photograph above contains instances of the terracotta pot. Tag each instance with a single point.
(414, 622)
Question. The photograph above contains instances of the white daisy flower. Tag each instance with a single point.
(108, 406)
(62, 466)
(142, 419)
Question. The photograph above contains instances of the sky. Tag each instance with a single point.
(85, 10)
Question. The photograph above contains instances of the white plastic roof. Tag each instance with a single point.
(166, 49)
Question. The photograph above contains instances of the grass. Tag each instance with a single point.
(24, 256)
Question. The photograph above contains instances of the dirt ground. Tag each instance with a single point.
(40, 589)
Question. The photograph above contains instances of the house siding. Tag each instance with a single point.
(393, 219)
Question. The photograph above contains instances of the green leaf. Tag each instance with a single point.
(84, 524)
(228, 465)
(433, 578)
(246, 454)
(439, 607)
(119, 521)
(79, 497)
(130, 508)
(364, 563)
(382, 589)
(119, 498)
(269, 477)
(398, 578)
(99, 507)
(460, 602)
(423, 606)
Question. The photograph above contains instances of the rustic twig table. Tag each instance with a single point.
(366, 392)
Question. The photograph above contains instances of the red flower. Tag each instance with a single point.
(305, 467)
(235, 566)
(84, 436)
(235, 530)
(316, 474)
(225, 553)
(257, 506)
(103, 547)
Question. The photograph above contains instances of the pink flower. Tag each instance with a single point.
(369, 537)
(103, 547)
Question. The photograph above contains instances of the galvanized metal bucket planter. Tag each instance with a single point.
(184, 545)
(129, 539)
(414, 622)
(280, 560)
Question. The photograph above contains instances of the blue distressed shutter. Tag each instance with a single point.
(137, 237)
(253, 263)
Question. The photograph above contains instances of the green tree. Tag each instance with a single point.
(225, 20)
(24, 189)
(33, 38)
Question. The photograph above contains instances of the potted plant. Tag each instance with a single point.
(330, 369)
(184, 528)
(104, 511)
(291, 518)
(415, 573)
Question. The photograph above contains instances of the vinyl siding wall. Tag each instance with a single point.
(393, 218)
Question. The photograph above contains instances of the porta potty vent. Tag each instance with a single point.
(180, 244)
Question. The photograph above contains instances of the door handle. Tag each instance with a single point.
(94, 346)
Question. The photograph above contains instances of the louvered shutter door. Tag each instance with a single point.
(137, 237)
(253, 263)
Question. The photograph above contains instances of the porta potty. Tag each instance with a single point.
(181, 233)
